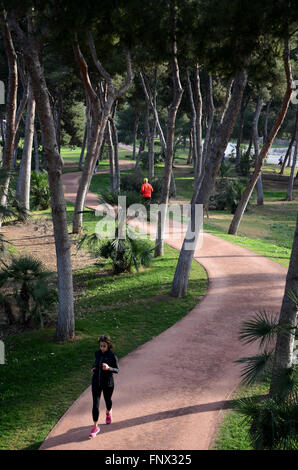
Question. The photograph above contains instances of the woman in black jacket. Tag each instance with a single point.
(106, 364)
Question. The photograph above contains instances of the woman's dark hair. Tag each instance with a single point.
(106, 339)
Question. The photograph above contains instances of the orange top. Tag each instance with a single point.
(146, 190)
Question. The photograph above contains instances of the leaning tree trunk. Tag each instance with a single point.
(287, 156)
(115, 142)
(111, 156)
(135, 134)
(255, 138)
(285, 340)
(289, 196)
(11, 106)
(210, 112)
(207, 180)
(65, 322)
(23, 191)
(265, 149)
(172, 113)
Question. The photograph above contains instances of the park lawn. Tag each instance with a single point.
(71, 158)
(42, 377)
(233, 433)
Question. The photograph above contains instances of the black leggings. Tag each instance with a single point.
(96, 393)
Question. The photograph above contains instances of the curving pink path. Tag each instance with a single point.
(171, 391)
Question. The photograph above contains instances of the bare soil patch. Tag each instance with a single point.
(36, 238)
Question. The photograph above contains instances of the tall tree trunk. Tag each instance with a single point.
(255, 138)
(149, 134)
(206, 181)
(152, 103)
(111, 156)
(135, 134)
(266, 120)
(65, 323)
(190, 150)
(193, 124)
(101, 110)
(210, 112)
(265, 149)
(15, 153)
(141, 148)
(35, 138)
(198, 127)
(23, 192)
(287, 156)
(227, 99)
(244, 104)
(285, 340)
(289, 196)
(149, 142)
(172, 113)
(83, 149)
(11, 107)
(116, 151)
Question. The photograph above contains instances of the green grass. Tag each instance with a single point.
(42, 377)
(233, 433)
(71, 158)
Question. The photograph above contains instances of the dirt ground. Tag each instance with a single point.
(36, 238)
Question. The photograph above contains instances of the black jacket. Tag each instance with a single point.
(104, 378)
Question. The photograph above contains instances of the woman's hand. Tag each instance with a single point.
(105, 366)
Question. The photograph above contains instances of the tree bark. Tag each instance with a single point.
(65, 322)
(23, 192)
(111, 156)
(135, 134)
(11, 107)
(288, 154)
(285, 340)
(35, 138)
(255, 138)
(244, 104)
(198, 126)
(206, 181)
(83, 149)
(266, 120)
(210, 112)
(172, 113)
(289, 196)
(100, 111)
(265, 149)
(115, 142)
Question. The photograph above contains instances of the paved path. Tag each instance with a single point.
(171, 391)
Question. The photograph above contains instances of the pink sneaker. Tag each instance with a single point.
(94, 431)
(108, 417)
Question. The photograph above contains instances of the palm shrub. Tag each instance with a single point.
(26, 285)
(124, 253)
(273, 420)
(227, 195)
(39, 191)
